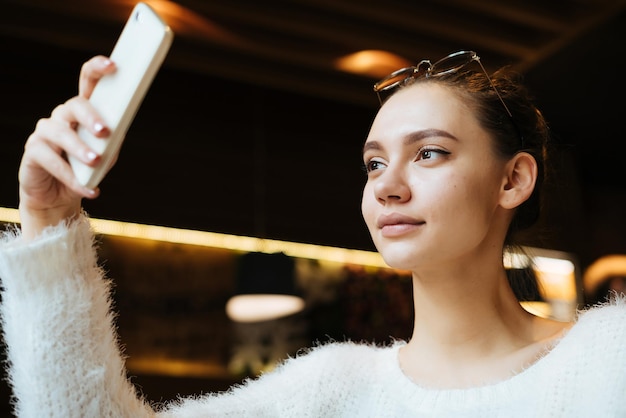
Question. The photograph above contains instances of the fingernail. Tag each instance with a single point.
(91, 156)
(101, 130)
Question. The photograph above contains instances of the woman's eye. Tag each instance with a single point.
(372, 165)
(431, 153)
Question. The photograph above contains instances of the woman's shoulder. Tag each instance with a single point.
(602, 327)
(347, 351)
(347, 356)
(338, 364)
(609, 314)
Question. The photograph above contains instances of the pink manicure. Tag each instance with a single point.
(91, 156)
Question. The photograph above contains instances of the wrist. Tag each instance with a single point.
(34, 221)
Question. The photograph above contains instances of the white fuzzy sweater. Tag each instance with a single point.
(64, 359)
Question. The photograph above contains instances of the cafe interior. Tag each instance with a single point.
(231, 221)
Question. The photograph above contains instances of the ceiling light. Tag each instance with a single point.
(371, 63)
(265, 288)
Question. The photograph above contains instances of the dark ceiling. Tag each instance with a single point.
(250, 129)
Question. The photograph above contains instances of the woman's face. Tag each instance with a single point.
(434, 182)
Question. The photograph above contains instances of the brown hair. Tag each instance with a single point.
(525, 130)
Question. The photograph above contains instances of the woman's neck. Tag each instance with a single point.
(469, 329)
(465, 307)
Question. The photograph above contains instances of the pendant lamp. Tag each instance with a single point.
(265, 288)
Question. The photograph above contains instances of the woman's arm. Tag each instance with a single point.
(63, 356)
(62, 348)
(64, 359)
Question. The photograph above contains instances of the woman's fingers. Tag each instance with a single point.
(60, 128)
(91, 72)
(44, 172)
(54, 139)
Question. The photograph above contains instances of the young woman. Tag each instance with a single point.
(455, 163)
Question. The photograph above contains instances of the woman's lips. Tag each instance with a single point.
(394, 224)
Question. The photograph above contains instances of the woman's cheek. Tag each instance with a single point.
(369, 206)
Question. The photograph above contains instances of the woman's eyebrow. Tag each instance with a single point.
(375, 145)
(412, 138)
(427, 133)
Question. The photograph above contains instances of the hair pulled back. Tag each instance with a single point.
(525, 130)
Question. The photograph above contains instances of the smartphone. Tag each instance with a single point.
(138, 54)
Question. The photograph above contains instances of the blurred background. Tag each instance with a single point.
(254, 127)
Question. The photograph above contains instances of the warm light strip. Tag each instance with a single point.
(230, 242)
(247, 244)
(9, 215)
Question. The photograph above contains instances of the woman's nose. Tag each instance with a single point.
(392, 186)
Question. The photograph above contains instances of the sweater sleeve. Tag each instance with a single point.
(63, 356)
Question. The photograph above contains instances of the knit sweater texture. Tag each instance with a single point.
(64, 359)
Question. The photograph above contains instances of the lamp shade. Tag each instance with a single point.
(265, 288)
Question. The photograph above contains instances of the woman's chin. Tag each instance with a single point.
(400, 260)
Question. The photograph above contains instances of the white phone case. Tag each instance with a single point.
(138, 55)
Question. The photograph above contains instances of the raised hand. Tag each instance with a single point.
(49, 191)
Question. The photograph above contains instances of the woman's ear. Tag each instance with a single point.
(519, 181)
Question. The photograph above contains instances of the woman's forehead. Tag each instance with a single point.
(422, 91)
(425, 105)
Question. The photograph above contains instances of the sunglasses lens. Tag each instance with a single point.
(394, 79)
(453, 62)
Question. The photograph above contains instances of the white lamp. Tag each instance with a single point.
(265, 288)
